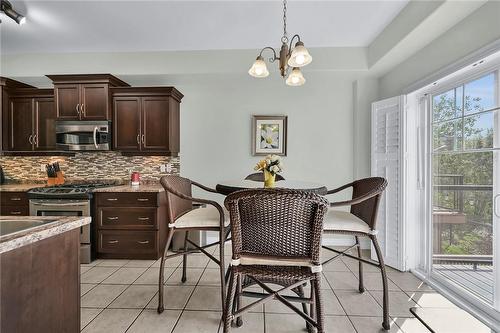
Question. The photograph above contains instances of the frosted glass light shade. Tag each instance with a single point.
(259, 68)
(295, 78)
(300, 56)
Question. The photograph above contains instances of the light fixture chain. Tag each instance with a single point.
(284, 39)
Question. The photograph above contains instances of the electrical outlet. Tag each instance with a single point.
(162, 168)
(42, 167)
(169, 167)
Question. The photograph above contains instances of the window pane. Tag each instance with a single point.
(478, 131)
(447, 136)
(480, 94)
(444, 106)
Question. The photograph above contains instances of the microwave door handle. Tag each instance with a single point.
(95, 137)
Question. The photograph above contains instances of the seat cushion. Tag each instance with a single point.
(202, 218)
(336, 220)
(251, 260)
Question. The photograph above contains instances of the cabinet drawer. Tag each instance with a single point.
(14, 210)
(14, 198)
(127, 242)
(127, 218)
(147, 199)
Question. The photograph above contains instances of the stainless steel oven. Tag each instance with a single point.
(66, 207)
(83, 135)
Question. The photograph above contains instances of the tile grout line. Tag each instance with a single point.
(101, 283)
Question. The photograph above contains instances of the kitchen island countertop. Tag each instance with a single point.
(47, 226)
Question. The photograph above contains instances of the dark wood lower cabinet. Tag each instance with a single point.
(130, 225)
(14, 203)
(40, 286)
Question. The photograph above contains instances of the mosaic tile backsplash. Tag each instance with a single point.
(87, 166)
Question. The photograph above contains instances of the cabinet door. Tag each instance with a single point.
(95, 101)
(45, 124)
(21, 124)
(68, 100)
(155, 124)
(127, 123)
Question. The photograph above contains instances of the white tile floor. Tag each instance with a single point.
(121, 296)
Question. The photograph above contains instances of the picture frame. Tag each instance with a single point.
(269, 135)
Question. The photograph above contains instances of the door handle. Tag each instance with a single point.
(141, 199)
(143, 218)
(112, 218)
(143, 138)
(15, 199)
(496, 206)
(30, 139)
(113, 241)
(35, 139)
(112, 199)
(78, 110)
(138, 139)
(82, 109)
(15, 213)
(143, 242)
(95, 137)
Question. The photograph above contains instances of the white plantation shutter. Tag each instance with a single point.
(388, 161)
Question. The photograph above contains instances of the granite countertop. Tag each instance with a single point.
(24, 187)
(147, 187)
(48, 227)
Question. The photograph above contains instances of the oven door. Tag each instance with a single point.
(56, 207)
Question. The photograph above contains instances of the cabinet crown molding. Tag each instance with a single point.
(88, 78)
(147, 91)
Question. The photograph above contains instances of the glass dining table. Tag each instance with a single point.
(230, 186)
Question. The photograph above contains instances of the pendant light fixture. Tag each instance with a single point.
(295, 57)
(6, 8)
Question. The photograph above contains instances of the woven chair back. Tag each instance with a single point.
(368, 209)
(176, 187)
(277, 224)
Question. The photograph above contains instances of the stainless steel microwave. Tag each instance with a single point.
(83, 135)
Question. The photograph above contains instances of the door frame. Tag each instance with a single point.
(484, 311)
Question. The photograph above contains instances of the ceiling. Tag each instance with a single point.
(131, 26)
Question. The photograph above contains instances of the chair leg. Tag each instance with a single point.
(360, 267)
(227, 314)
(310, 328)
(184, 259)
(385, 324)
(300, 293)
(319, 315)
(162, 267)
(222, 241)
(239, 320)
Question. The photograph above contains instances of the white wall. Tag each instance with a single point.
(477, 30)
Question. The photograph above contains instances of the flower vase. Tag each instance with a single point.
(269, 179)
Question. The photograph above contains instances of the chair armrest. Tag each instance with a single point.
(357, 200)
(203, 187)
(338, 189)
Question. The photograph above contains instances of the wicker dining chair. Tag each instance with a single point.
(182, 217)
(259, 177)
(360, 222)
(276, 238)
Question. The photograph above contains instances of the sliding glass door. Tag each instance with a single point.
(465, 176)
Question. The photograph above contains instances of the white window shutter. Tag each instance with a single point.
(387, 160)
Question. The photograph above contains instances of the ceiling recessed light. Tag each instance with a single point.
(6, 7)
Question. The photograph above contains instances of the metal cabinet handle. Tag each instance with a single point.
(141, 199)
(143, 218)
(15, 199)
(30, 139)
(112, 199)
(78, 110)
(143, 138)
(113, 241)
(35, 139)
(138, 139)
(15, 213)
(112, 217)
(143, 242)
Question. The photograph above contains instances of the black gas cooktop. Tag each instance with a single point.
(66, 191)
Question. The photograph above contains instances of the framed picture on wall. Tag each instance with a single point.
(269, 135)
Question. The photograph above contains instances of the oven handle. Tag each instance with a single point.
(95, 137)
(60, 204)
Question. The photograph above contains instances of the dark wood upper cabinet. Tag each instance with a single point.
(68, 99)
(31, 120)
(21, 124)
(84, 96)
(146, 120)
(127, 123)
(45, 124)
